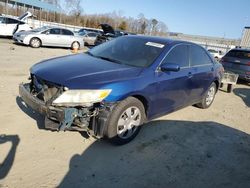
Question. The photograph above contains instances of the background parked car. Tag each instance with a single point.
(84, 31)
(90, 38)
(49, 36)
(8, 25)
(238, 61)
(216, 54)
(108, 34)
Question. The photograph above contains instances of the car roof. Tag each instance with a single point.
(4, 16)
(54, 27)
(161, 40)
(241, 49)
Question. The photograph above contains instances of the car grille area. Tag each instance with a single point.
(44, 90)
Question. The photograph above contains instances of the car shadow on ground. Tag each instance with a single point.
(167, 153)
(7, 163)
(244, 94)
(31, 113)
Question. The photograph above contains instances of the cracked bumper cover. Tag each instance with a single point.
(64, 116)
(40, 106)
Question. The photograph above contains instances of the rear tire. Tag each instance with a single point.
(208, 98)
(125, 121)
(35, 42)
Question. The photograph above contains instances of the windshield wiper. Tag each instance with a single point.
(109, 59)
(89, 53)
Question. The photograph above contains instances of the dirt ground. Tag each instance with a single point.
(188, 148)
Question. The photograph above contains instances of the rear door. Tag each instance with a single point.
(201, 72)
(67, 37)
(173, 87)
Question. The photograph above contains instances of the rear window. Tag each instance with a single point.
(239, 54)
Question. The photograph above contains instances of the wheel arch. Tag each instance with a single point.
(144, 101)
(216, 81)
(76, 42)
(35, 38)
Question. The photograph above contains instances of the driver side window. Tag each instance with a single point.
(178, 55)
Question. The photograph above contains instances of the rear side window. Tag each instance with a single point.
(178, 55)
(66, 32)
(198, 56)
(12, 21)
(55, 31)
(2, 20)
(239, 54)
(92, 34)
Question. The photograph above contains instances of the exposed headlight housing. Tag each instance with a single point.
(81, 97)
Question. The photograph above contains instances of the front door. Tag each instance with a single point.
(173, 87)
(51, 37)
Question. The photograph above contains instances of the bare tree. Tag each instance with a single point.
(154, 22)
(75, 9)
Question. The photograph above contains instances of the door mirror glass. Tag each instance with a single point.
(170, 67)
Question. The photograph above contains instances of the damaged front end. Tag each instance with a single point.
(42, 96)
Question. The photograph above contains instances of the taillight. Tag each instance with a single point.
(248, 64)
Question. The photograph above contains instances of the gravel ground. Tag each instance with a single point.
(188, 148)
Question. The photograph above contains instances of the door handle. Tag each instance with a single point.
(190, 75)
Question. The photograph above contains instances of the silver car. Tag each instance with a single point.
(90, 38)
(49, 36)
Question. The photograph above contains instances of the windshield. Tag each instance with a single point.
(138, 52)
(39, 29)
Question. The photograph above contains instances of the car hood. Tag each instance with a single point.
(107, 29)
(25, 33)
(83, 71)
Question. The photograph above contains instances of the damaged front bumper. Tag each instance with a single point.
(67, 118)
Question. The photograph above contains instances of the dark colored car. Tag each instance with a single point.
(116, 87)
(108, 34)
(238, 61)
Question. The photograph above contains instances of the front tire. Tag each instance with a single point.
(208, 98)
(125, 121)
(35, 42)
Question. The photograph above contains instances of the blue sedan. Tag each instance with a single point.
(114, 88)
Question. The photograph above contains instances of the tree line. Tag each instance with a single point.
(72, 13)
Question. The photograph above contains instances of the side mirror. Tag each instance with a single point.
(47, 33)
(170, 67)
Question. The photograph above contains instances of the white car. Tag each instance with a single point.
(49, 36)
(216, 54)
(8, 25)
